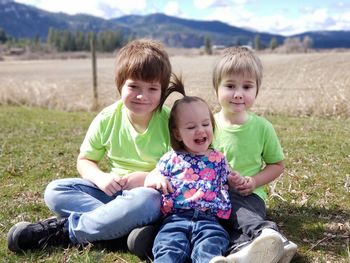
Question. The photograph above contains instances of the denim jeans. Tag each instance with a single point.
(93, 215)
(191, 235)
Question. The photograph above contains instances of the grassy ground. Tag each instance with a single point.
(310, 202)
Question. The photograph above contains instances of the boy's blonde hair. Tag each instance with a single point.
(238, 60)
(177, 84)
(146, 60)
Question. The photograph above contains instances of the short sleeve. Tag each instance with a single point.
(92, 147)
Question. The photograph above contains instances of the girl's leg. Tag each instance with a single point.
(171, 243)
(209, 239)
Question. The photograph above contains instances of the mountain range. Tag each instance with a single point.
(24, 21)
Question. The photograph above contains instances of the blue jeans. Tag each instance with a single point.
(191, 235)
(93, 215)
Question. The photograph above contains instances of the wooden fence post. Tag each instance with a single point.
(94, 72)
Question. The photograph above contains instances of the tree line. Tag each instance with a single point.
(65, 40)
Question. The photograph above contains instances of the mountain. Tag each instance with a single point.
(24, 21)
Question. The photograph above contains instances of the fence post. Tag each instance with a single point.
(94, 72)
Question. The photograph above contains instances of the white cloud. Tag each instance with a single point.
(101, 8)
(172, 8)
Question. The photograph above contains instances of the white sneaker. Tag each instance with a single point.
(266, 248)
(289, 250)
(219, 259)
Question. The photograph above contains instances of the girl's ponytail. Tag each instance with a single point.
(176, 85)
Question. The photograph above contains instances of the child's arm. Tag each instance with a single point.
(158, 181)
(108, 183)
(267, 175)
(135, 179)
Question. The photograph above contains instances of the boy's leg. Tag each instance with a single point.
(249, 219)
(134, 208)
(209, 239)
(106, 219)
(171, 243)
(65, 196)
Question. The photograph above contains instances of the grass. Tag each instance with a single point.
(310, 201)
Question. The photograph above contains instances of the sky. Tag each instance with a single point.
(284, 17)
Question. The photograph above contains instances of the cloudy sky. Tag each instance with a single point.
(285, 17)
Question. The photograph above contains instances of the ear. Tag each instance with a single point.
(177, 135)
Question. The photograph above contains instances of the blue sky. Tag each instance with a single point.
(285, 17)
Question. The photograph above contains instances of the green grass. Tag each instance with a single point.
(311, 203)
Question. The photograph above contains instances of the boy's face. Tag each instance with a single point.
(194, 127)
(237, 92)
(140, 97)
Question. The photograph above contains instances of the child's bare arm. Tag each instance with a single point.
(158, 181)
(135, 179)
(267, 175)
(235, 179)
(107, 182)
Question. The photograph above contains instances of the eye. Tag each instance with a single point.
(246, 87)
(154, 89)
(230, 86)
(206, 124)
(190, 127)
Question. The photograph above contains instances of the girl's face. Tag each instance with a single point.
(236, 93)
(141, 98)
(194, 127)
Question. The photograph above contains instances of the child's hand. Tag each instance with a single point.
(235, 180)
(110, 183)
(158, 181)
(247, 187)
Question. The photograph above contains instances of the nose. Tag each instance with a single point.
(139, 96)
(237, 95)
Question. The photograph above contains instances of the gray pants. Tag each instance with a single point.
(247, 219)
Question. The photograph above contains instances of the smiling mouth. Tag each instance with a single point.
(201, 140)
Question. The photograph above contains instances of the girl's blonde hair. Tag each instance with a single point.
(146, 60)
(177, 83)
(238, 60)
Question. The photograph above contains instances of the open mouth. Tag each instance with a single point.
(200, 140)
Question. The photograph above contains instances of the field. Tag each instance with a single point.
(315, 84)
(305, 96)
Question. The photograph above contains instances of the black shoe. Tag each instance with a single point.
(113, 245)
(50, 232)
(140, 241)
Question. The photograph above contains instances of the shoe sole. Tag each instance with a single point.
(288, 253)
(267, 249)
(13, 234)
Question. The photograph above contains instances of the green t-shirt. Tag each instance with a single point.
(249, 146)
(127, 150)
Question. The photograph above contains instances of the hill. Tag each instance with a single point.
(24, 21)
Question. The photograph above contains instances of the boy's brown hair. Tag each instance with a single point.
(238, 60)
(146, 60)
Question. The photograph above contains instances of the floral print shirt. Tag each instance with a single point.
(199, 182)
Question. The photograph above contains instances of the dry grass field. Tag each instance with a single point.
(315, 84)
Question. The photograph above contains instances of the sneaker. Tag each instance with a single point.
(266, 248)
(289, 250)
(50, 232)
(219, 259)
(140, 241)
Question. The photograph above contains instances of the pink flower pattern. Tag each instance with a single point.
(199, 182)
